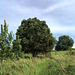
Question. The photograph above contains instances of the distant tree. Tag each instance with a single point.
(34, 35)
(64, 43)
(5, 41)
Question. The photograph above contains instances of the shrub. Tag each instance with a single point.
(28, 56)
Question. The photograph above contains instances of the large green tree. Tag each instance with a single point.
(5, 41)
(34, 35)
(64, 43)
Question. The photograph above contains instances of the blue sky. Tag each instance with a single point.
(58, 14)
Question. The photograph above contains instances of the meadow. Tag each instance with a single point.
(61, 64)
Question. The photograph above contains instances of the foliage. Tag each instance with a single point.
(5, 41)
(34, 35)
(52, 43)
(70, 50)
(41, 55)
(17, 47)
(14, 56)
(28, 56)
(64, 43)
(58, 65)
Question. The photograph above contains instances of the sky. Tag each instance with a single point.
(58, 14)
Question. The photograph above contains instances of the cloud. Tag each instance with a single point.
(15, 8)
(57, 6)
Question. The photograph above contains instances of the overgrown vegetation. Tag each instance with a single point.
(33, 36)
(60, 64)
(30, 52)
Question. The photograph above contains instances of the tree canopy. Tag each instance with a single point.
(64, 43)
(5, 41)
(35, 36)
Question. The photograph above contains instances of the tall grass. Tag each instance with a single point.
(60, 64)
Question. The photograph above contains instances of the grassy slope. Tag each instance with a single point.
(60, 64)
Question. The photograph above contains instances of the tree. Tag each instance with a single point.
(52, 43)
(64, 43)
(34, 35)
(5, 41)
(16, 46)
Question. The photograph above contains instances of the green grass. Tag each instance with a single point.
(60, 64)
(60, 52)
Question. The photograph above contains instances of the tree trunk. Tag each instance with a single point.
(34, 54)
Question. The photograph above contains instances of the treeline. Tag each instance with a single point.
(32, 36)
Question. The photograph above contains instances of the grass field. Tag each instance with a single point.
(60, 64)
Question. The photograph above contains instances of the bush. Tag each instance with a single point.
(21, 54)
(28, 56)
(14, 57)
(40, 55)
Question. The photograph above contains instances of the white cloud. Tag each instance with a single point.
(58, 5)
(17, 8)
